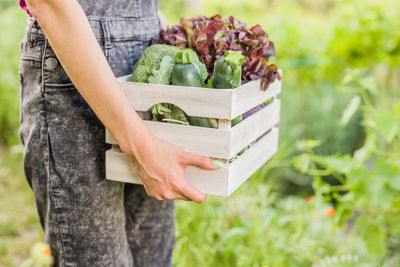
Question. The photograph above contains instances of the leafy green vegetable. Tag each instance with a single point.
(169, 113)
(211, 37)
(175, 116)
(163, 74)
(151, 60)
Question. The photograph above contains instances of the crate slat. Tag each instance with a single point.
(205, 141)
(217, 143)
(119, 168)
(194, 101)
(243, 167)
(201, 102)
(254, 126)
(249, 96)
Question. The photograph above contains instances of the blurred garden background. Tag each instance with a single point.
(331, 195)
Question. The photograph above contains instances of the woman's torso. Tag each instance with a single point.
(122, 8)
(123, 29)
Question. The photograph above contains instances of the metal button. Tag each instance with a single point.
(51, 63)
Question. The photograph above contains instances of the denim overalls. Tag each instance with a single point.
(87, 220)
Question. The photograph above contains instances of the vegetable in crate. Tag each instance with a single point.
(165, 112)
(163, 74)
(211, 37)
(228, 71)
(169, 113)
(150, 60)
(155, 66)
(188, 70)
(227, 74)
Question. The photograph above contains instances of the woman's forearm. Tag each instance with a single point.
(71, 37)
(163, 20)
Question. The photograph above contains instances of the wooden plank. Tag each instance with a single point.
(119, 168)
(209, 182)
(217, 143)
(254, 126)
(248, 163)
(194, 101)
(201, 102)
(205, 141)
(250, 95)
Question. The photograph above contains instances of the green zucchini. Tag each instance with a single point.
(227, 72)
(186, 75)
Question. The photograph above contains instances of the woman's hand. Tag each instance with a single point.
(161, 166)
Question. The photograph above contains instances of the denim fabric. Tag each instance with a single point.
(87, 220)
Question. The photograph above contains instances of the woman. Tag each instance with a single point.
(70, 55)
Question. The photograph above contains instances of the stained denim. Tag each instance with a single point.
(87, 220)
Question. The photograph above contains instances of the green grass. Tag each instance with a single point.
(19, 224)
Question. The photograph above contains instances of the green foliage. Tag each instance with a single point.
(257, 227)
(7, 4)
(369, 33)
(12, 22)
(369, 179)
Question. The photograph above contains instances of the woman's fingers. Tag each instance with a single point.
(190, 192)
(172, 193)
(201, 161)
(182, 197)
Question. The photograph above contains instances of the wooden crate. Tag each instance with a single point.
(222, 143)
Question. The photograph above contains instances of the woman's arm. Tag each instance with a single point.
(159, 164)
(163, 20)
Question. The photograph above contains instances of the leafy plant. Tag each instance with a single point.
(368, 190)
(212, 37)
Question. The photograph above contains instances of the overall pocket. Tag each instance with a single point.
(54, 76)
